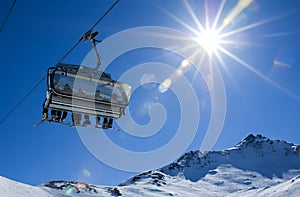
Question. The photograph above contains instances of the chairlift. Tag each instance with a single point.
(80, 89)
(83, 90)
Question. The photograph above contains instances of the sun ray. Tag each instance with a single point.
(224, 65)
(280, 34)
(240, 6)
(180, 21)
(216, 21)
(243, 63)
(207, 26)
(253, 25)
(240, 43)
(192, 13)
(193, 58)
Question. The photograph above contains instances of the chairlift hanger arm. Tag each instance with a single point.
(90, 30)
(89, 35)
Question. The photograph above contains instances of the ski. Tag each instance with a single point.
(42, 121)
(77, 125)
(50, 119)
(106, 128)
(65, 123)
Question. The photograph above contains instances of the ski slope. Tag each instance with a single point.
(257, 166)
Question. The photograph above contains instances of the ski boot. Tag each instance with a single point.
(45, 116)
(86, 123)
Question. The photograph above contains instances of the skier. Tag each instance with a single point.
(98, 97)
(76, 117)
(107, 122)
(67, 90)
(45, 110)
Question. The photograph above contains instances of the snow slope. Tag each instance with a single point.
(257, 166)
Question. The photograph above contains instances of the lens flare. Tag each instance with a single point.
(185, 63)
(241, 5)
(69, 191)
(165, 85)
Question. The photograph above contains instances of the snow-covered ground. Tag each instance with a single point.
(257, 166)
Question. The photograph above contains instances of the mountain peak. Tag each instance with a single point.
(254, 153)
(251, 139)
(266, 145)
(153, 177)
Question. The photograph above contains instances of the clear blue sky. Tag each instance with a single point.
(263, 98)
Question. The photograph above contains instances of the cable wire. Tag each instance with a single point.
(42, 79)
(7, 15)
(90, 30)
(22, 100)
(101, 18)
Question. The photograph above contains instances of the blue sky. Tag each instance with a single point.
(261, 81)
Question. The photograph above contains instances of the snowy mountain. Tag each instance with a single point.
(257, 166)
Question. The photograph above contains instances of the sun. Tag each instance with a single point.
(213, 34)
(209, 40)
